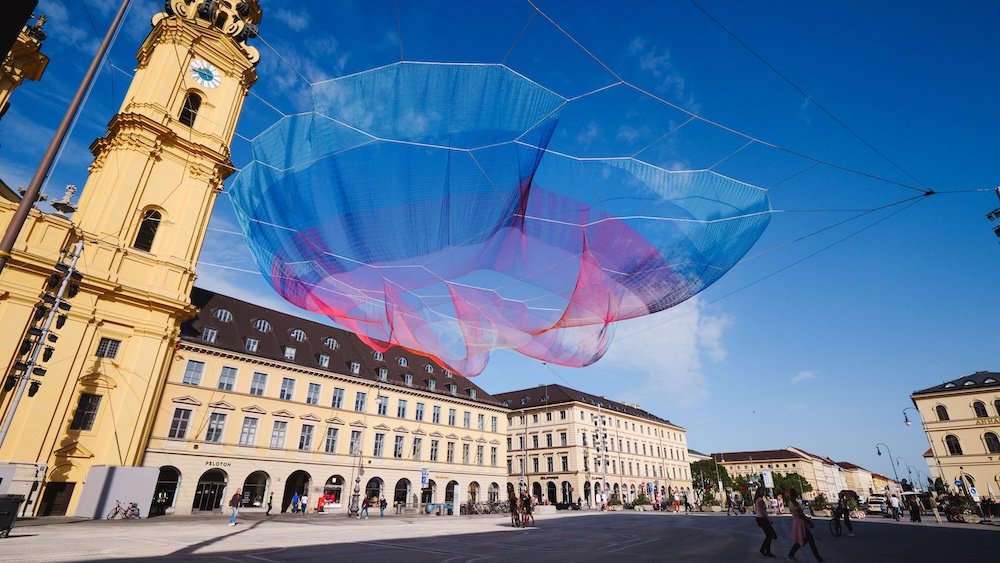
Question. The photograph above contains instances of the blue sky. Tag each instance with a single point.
(834, 317)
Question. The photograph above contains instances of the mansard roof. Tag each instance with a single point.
(555, 394)
(316, 340)
(977, 380)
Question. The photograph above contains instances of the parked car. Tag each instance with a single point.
(875, 503)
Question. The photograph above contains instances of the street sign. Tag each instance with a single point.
(973, 491)
(768, 480)
(958, 484)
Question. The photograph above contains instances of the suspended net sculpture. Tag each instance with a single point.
(421, 205)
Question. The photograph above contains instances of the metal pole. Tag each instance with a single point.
(22, 383)
(31, 193)
(896, 475)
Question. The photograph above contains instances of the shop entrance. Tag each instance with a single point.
(209, 493)
(55, 499)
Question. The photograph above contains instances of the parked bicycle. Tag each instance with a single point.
(126, 512)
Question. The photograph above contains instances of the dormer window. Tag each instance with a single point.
(298, 335)
(324, 361)
(289, 353)
(223, 315)
(505, 403)
(355, 368)
(209, 334)
(408, 379)
(472, 393)
(447, 374)
(452, 388)
(331, 343)
(262, 325)
(251, 344)
(402, 362)
(192, 103)
(378, 356)
(147, 230)
(383, 374)
(524, 401)
(429, 368)
(431, 384)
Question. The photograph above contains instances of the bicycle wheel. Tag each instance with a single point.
(835, 527)
(114, 513)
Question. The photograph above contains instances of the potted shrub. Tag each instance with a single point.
(709, 503)
(820, 506)
(615, 502)
(642, 502)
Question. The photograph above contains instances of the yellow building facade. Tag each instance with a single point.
(142, 219)
(566, 446)
(961, 419)
(24, 62)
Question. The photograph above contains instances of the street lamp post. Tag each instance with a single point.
(908, 422)
(879, 452)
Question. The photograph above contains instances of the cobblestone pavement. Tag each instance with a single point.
(564, 536)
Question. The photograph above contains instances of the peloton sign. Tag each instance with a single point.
(987, 421)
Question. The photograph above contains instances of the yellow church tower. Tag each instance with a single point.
(142, 218)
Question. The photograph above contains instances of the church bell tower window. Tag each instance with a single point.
(147, 230)
(192, 102)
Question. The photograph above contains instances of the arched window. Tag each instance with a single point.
(223, 315)
(942, 412)
(954, 448)
(992, 443)
(147, 230)
(192, 103)
(996, 406)
(262, 325)
(980, 408)
(298, 335)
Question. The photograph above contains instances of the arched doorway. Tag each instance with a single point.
(211, 489)
(510, 490)
(401, 493)
(616, 491)
(567, 492)
(449, 496)
(428, 493)
(374, 489)
(550, 492)
(333, 492)
(586, 492)
(297, 482)
(166, 483)
(631, 493)
(494, 493)
(255, 489)
(536, 492)
(473, 492)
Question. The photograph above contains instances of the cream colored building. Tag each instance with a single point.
(961, 419)
(822, 473)
(270, 403)
(565, 445)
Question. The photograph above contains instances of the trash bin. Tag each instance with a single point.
(8, 512)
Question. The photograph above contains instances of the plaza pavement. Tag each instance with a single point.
(562, 536)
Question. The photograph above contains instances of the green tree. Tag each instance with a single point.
(790, 481)
(703, 475)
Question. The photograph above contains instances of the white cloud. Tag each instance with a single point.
(296, 21)
(662, 356)
(657, 62)
(804, 375)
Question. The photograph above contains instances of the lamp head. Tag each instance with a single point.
(906, 419)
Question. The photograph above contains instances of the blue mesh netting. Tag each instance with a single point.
(418, 205)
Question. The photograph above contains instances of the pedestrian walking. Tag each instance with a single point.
(764, 522)
(932, 500)
(364, 508)
(381, 507)
(844, 511)
(894, 505)
(304, 503)
(234, 504)
(801, 525)
(914, 509)
(270, 502)
(295, 503)
(515, 511)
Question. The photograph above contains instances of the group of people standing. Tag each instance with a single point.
(521, 510)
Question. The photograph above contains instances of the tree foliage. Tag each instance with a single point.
(703, 475)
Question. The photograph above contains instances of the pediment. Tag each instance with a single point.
(436, 434)
(283, 413)
(221, 405)
(334, 420)
(382, 427)
(466, 438)
(358, 424)
(401, 430)
(311, 417)
(452, 436)
(419, 432)
(188, 400)
(495, 442)
(76, 450)
(254, 409)
(481, 440)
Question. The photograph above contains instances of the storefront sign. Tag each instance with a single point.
(219, 463)
(987, 421)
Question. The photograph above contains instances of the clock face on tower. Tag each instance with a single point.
(205, 74)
